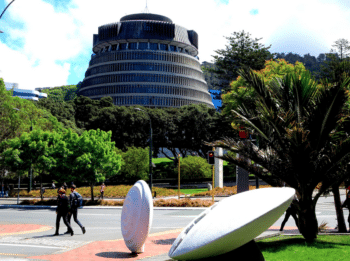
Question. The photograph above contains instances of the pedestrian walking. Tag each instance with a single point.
(42, 191)
(53, 186)
(58, 190)
(102, 191)
(65, 186)
(291, 211)
(73, 200)
(63, 207)
(34, 185)
(346, 204)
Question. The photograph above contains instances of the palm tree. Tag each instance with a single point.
(301, 142)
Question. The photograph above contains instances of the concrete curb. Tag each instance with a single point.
(97, 207)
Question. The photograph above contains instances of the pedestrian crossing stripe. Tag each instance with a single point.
(6, 254)
(42, 229)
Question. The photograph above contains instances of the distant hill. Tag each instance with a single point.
(62, 93)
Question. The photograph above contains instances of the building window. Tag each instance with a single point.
(143, 46)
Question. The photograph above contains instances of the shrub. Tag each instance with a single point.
(186, 202)
(194, 167)
(135, 163)
(230, 168)
(163, 170)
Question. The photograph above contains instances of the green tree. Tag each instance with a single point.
(301, 123)
(63, 111)
(61, 93)
(135, 163)
(241, 50)
(18, 115)
(242, 95)
(194, 167)
(95, 157)
(337, 61)
(342, 48)
(33, 149)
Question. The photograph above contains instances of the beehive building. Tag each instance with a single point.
(145, 59)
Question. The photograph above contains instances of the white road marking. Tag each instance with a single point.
(82, 214)
(165, 227)
(183, 216)
(118, 228)
(24, 245)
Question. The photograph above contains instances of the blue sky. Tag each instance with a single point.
(48, 43)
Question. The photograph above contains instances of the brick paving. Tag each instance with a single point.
(156, 247)
(17, 229)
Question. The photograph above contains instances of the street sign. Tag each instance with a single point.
(243, 134)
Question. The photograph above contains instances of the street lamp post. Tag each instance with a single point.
(30, 170)
(150, 148)
(4, 11)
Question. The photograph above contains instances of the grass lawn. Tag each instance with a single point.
(160, 160)
(192, 191)
(294, 248)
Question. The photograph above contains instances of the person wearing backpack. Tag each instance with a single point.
(75, 200)
(346, 204)
(62, 210)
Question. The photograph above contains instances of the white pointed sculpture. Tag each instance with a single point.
(137, 216)
(231, 223)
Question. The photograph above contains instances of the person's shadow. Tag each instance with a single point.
(51, 235)
(124, 255)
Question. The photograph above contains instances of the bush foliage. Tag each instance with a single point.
(194, 167)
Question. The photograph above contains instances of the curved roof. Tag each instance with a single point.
(144, 16)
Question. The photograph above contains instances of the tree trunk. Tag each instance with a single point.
(92, 191)
(308, 224)
(338, 209)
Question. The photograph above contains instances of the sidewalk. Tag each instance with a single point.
(12, 202)
(157, 247)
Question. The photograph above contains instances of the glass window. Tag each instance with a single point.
(163, 47)
(153, 46)
(132, 46)
(172, 48)
(122, 46)
(143, 46)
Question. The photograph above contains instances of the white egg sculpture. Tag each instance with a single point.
(231, 223)
(137, 216)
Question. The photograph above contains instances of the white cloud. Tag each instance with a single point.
(18, 68)
(44, 42)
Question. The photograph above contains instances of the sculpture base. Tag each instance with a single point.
(249, 251)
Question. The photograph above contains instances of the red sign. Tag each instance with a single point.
(243, 134)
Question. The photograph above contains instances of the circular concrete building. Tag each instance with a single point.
(145, 59)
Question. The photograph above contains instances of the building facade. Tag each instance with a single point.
(24, 93)
(145, 59)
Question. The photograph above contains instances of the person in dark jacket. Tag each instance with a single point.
(346, 204)
(62, 210)
(291, 211)
(74, 209)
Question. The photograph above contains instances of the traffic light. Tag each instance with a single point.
(211, 159)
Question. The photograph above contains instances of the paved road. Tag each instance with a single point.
(103, 224)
